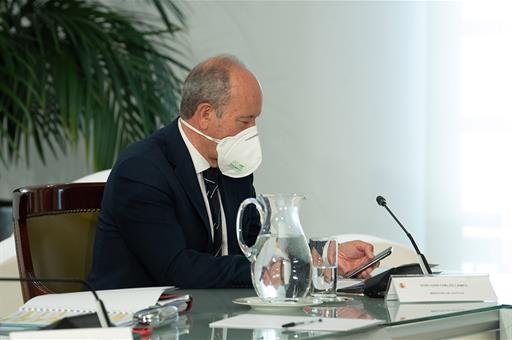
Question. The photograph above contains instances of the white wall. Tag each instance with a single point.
(443, 222)
(62, 169)
(344, 104)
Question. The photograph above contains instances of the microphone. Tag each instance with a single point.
(425, 268)
(79, 321)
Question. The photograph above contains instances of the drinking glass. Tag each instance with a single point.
(324, 254)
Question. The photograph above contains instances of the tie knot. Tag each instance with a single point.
(212, 175)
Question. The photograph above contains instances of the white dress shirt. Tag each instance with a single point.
(200, 165)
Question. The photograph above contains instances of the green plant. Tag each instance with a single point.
(76, 69)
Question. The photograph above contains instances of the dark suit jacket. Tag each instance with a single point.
(153, 228)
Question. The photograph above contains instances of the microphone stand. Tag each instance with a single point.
(422, 260)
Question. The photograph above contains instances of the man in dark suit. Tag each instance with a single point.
(168, 215)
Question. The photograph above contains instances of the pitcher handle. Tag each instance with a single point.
(248, 251)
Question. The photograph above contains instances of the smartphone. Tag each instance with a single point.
(382, 255)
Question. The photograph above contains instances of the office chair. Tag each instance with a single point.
(54, 227)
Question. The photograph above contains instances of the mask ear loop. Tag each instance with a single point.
(199, 132)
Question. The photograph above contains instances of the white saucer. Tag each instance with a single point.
(257, 303)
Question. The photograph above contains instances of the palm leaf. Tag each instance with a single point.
(73, 70)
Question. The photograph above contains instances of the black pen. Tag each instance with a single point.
(293, 324)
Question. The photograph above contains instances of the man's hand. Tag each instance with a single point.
(353, 254)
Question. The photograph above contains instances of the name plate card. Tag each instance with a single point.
(440, 288)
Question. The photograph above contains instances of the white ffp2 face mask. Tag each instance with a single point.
(239, 155)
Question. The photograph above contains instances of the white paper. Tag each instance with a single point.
(115, 300)
(349, 283)
(261, 321)
(118, 333)
(46, 309)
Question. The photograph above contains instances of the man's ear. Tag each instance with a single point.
(204, 113)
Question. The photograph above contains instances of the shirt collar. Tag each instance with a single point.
(200, 163)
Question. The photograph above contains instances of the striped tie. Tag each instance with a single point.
(211, 179)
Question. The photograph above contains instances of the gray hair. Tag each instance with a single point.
(208, 82)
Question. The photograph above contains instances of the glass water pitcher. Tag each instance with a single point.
(280, 257)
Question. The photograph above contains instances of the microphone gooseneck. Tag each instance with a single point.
(421, 258)
(102, 311)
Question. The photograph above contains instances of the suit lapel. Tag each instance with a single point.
(229, 196)
(188, 179)
(178, 155)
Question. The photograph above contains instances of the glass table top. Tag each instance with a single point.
(400, 320)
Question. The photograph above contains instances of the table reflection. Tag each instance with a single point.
(215, 304)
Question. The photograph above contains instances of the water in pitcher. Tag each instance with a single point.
(282, 269)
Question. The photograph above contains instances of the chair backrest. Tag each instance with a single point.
(54, 227)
